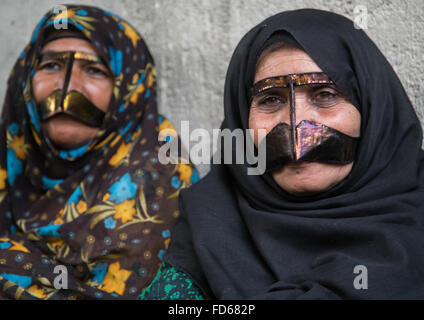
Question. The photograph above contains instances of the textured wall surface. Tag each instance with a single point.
(193, 40)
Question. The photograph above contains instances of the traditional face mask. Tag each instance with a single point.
(308, 141)
(71, 103)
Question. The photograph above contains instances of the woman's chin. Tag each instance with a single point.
(303, 189)
(66, 144)
(310, 178)
(67, 133)
(68, 141)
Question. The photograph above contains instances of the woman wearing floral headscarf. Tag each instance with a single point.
(80, 182)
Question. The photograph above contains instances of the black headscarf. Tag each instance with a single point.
(244, 237)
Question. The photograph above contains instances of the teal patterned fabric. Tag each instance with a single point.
(171, 284)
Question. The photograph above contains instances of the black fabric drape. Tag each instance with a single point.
(243, 237)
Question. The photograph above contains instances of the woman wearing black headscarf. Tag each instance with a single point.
(303, 230)
(81, 187)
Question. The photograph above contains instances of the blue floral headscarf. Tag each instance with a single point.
(106, 210)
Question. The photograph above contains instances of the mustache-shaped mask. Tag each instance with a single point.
(70, 103)
(313, 142)
(308, 141)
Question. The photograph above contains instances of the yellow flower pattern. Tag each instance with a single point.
(185, 171)
(81, 207)
(106, 196)
(125, 211)
(131, 33)
(36, 291)
(115, 279)
(58, 221)
(18, 145)
(167, 129)
(120, 154)
(3, 177)
(16, 246)
(139, 90)
(56, 242)
(69, 13)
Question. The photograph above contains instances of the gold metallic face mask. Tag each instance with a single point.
(71, 103)
(308, 141)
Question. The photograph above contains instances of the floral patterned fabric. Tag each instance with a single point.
(106, 210)
(171, 284)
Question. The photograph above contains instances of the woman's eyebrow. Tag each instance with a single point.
(50, 55)
(332, 86)
(63, 55)
(87, 62)
(271, 90)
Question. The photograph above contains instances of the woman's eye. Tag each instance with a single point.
(96, 71)
(50, 66)
(272, 102)
(325, 97)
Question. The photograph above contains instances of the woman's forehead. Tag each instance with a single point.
(69, 44)
(285, 61)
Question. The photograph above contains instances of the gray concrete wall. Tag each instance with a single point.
(192, 42)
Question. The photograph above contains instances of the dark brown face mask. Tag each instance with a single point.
(308, 141)
(70, 103)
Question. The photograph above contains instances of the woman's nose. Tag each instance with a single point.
(76, 80)
(303, 109)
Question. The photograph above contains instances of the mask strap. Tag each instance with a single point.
(293, 116)
(300, 79)
(68, 74)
